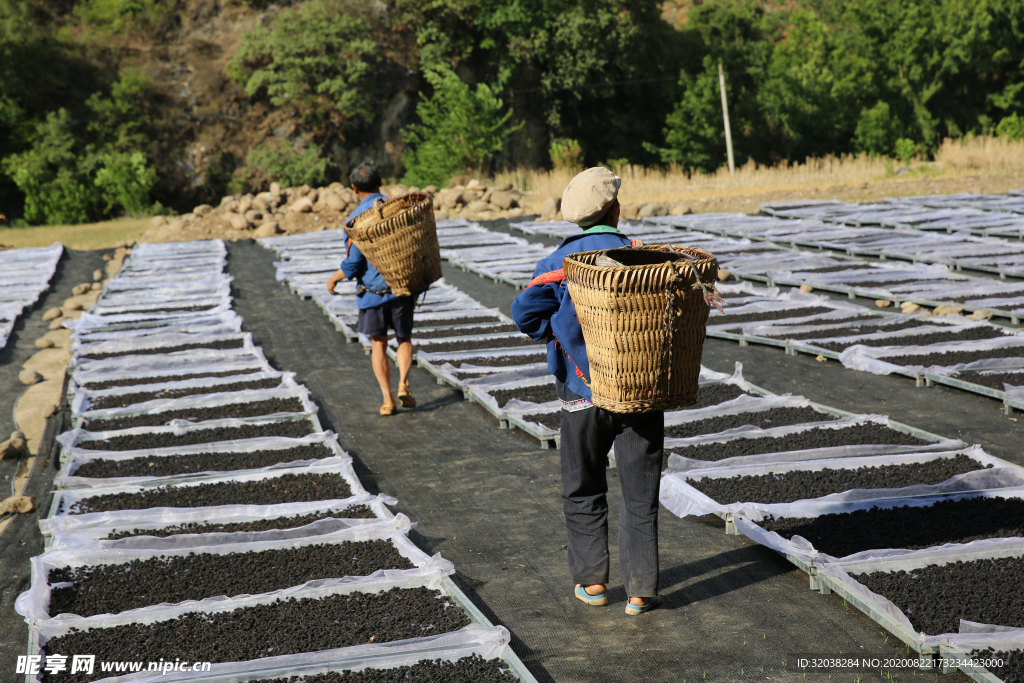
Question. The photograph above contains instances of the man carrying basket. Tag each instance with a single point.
(544, 311)
(379, 308)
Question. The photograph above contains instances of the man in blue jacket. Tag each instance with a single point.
(379, 309)
(545, 312)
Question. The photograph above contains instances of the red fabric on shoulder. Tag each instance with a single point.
(545, 278)
(559, 275)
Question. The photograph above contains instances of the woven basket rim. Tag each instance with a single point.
(573, 262)
(409, 201)
(573, 258)
(399, 237)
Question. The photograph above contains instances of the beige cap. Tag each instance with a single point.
(589, 195)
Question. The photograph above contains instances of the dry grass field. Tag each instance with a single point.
(82, 237)
(969, 165)
(981, 164)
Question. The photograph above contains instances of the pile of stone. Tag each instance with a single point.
(293, 209)
(551, 210)
(305, 209)
(476, 201)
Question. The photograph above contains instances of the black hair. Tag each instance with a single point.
(604, 216)
(365, 178)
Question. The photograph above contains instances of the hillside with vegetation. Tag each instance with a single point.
(143, 107)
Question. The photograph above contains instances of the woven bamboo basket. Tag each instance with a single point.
(399, 237)
(643, 323)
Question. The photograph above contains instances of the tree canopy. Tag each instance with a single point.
(841, 76)
(318, 53)
(431, 88)
(460, 128)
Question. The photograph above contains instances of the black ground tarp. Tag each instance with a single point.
(489, 501)
(21, 539)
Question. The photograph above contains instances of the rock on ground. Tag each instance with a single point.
(29, 377)
(14, 447)
(551, 209)
(17, 504)
(268, 229)
(302, 209)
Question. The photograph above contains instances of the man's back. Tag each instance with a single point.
(545, 312)
(374, 290)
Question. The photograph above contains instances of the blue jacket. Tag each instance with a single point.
(546, 313)
(356, 267)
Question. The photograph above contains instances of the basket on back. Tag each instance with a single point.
(399, 237)
(643, 323)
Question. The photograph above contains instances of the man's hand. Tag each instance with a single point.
(334, 280)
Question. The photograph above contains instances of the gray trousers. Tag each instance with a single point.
(587, 436)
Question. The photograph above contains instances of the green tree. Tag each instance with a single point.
(277, 160)
(905, 150)
(1011, 127)
(121, 120)
(877, 130)
(38, 75)
(318, 53)
(695, 131)
(809, 97)
(125, 180)
(17, 33)
(106, 18)
(47, 173)
(598, 71)
(806, 79)
(460, 129)
(72, 173)
(566, 153)
(737, 34)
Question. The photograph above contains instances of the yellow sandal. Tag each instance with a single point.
(405, 396)
(387, 409)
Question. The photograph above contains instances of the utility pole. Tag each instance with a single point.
(725, 115)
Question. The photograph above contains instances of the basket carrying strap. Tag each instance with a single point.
(546, 278)
(363, 288)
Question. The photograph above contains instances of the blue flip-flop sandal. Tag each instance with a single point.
(633, 610)
(584, 596)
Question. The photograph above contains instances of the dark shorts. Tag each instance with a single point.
(395, 314)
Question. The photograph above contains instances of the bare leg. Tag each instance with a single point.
(404, 359)
(381, 366)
